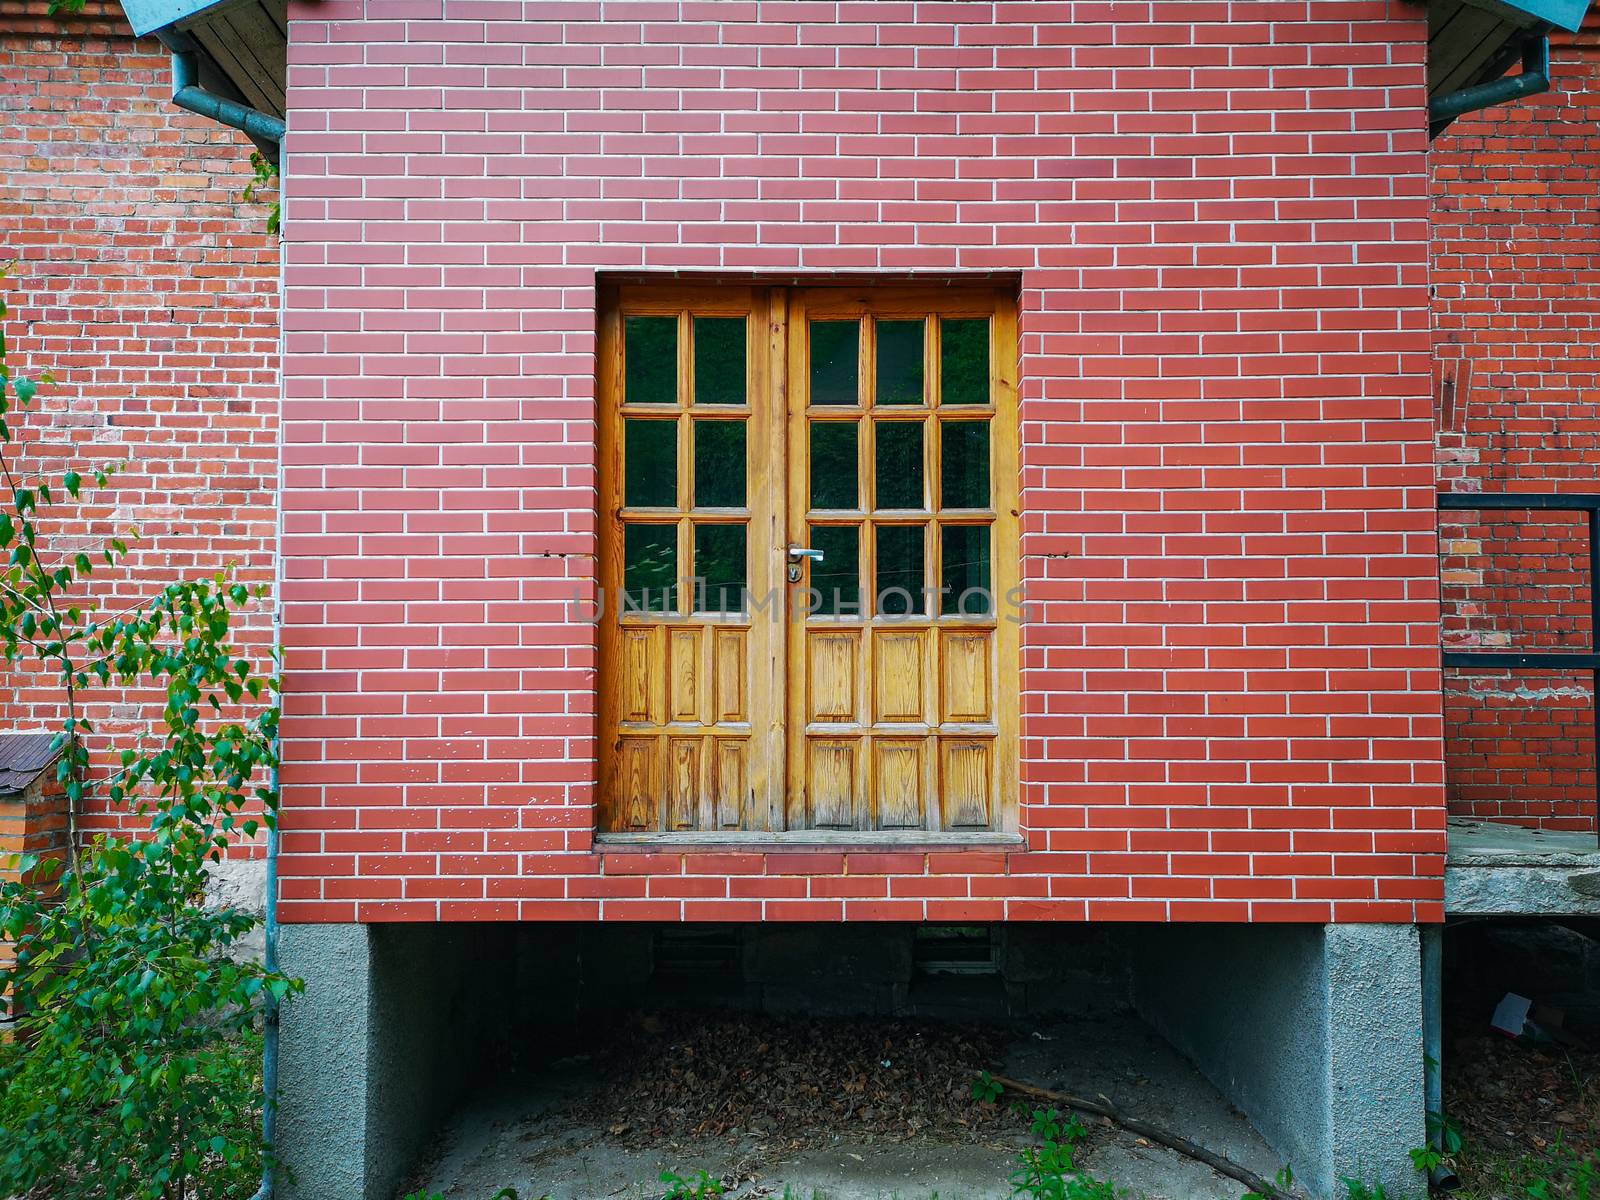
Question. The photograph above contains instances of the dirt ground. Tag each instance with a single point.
(830, 1109)
(1527, 1114)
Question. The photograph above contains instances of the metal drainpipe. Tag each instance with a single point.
(269, 1034)
(1534, 80)
(1441, 1178)
(269, 958)
(189, 95)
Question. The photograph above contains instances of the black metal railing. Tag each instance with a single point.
(1549, 660)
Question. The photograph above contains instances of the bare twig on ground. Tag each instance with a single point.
(1172, 1141)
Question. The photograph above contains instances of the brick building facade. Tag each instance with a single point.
(1517, 356)
(141, 281)
(1212, 222)
(1219, 225)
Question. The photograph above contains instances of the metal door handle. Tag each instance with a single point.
(797, 552)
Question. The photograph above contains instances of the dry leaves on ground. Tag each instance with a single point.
(801, 1080)
(1508, 1095)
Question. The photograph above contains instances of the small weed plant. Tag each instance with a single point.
(702, 1186)
(1564, 1174)
(1049, 1171)
(1282, 1183)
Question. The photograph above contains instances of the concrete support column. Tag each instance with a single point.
(324, 1051)
(375, 1052)
(1315, 1032)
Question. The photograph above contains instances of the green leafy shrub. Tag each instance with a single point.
(135, 1071)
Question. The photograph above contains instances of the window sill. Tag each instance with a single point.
(855, 839)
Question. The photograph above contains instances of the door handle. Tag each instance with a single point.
(799, 552)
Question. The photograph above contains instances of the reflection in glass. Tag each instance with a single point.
(650, 463)
(649, 568)
(964, 464)
(835, 477)
(719, 371)
(719, 567)
(964, 360)
(900, 580)
(650, 358)
(719, 464)
(964, 572)
(899, 455)
(899, 375)
(835, 361)
(837, 578)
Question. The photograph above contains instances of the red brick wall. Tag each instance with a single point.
(1219, 216)
(1516, 235)
(34, 822)
(146, 286)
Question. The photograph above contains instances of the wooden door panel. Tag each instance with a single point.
(899, 783)
(636, 785)
(964, 691)
(688, 443)
(833, 769)
(731, 785)
(899, 675)
(685, 786)
(919, 503)
(730, 671)
(684, 675)
(967, 782)
(643, 673)
(834, 658)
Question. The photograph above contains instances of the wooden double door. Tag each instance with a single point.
(808, 565)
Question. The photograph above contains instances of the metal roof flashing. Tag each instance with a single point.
(23, 758)
(1564, 14)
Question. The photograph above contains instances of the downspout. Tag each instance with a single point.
(269, 1019)
(1441, 1178)
(1534, 80)
(269, 958)
(266, 130)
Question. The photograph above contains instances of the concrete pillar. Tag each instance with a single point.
(323, 1064)
(375, 1052)
(1315, 1032)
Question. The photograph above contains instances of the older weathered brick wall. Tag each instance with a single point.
(1516, 243)
(1218, 213)
(146, 286)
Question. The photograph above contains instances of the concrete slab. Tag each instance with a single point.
(1496, 869)
(523, 1137)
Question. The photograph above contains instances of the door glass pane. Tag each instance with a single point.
(899, 376)
(900, 580)
(719, 464)
(964, 361)
(965, 571)
(650, 568)
(835, 478)
(650, 361)
(835, 361)
(899, 473)
(719, 567)
(964, 464)
(837, 578)
(719, 374)
(650, 464)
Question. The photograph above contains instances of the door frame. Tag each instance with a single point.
(777, 501)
